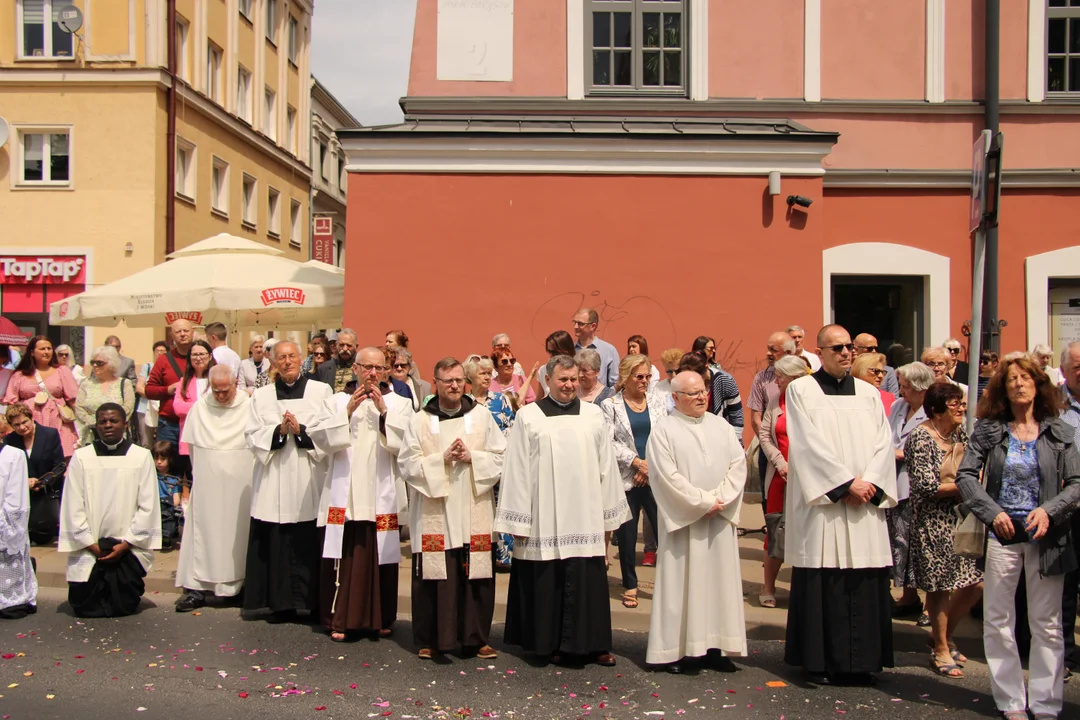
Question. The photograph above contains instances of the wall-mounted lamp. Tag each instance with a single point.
(129, 248)
(774, 182)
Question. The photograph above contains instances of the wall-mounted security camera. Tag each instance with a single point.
(799, 200)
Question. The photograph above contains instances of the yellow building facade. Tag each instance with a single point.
(84, 173)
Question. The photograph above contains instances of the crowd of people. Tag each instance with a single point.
(291, 480)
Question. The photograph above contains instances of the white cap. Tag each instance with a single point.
(331, 335)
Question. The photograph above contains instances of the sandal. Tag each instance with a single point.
(425, 653)
(629, 601)
(337, 636)
(947, 669)
(958, 657)
(767, 601)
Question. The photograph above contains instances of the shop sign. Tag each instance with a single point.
(322, 239)
(41, 270)
(282, 296)
(195, 317)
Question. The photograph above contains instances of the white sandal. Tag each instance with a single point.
(767, 601)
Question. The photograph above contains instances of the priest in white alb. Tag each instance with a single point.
(18, 584)
(561, 497)
(110, 520)
(698, 471)
(362, 502)
(451, 459)
(841, 478)
(218, 517)
(294, 427)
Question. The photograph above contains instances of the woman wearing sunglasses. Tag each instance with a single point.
(870, 367)
(518, 389)
(102, 386)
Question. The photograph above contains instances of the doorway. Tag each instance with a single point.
(1064, 315)
(890, 307)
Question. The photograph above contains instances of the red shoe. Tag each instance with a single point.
(649, 560)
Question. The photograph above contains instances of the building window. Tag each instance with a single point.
(271, 21)
(182, 49)
(42, 36)
(294, 40)
(219, 187)
(295, 228)
(1063, 46)
(185, 169)
(290, 129)
(243, 94)
(213, 72)
(270, 114)
(324, 156)
(248, 211)
(636, 46)
(245, 9)
(273, 216)
(343, 180)
(45, 157)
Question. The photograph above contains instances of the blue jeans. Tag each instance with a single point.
(639, 498)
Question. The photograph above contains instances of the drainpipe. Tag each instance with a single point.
(170, 134)
(992, 327)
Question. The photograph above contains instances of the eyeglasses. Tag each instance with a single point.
(401, 366)
(850, 347)
(696, 394)
(956, 404)
(450, 381)
(936, 364)
(369, 368)
(507, 361)
(98, 363)
(578, 323)
(877, 371)
(199, 356)
(639, 377)
(867, 348)
(318, 354)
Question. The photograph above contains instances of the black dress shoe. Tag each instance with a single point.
(281, 616)
(852, 679)
(674, 668)
(721, 663)
(190, 601)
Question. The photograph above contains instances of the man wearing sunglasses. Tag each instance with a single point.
(841, 477)
(867, 343)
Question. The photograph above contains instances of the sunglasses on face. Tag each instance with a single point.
(954, 351)
(639, 377)
(877, 371)
(868, 348)
(508, 361)
(62, 354)
(318, 354)
(98, 363)
(401, 366)
(850, 347)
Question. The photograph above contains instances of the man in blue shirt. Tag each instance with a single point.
(585, 322)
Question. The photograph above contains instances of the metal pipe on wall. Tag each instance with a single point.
(170, 133)
(991, 335)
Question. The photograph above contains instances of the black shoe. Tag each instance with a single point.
(281, 616)
(190, 601)
(852, 679)
(907, 610)
(674, 668)
(721, 663)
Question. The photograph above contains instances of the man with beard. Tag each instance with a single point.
(337, 372)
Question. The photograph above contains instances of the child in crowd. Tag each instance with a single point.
(168, 492)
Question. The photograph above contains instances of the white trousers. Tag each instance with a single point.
(1047, 658)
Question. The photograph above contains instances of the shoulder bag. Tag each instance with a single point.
(44, 396)
(969, 538)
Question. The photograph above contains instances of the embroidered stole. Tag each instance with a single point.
(433, 516)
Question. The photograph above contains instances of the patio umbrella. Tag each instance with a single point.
(221, 279)
(10, 334)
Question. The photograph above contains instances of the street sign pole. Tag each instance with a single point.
(978, 226)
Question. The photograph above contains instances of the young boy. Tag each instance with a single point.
(168, 492)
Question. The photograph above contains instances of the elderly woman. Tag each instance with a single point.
(871, 368)
(958, 369)
(774, 443)
(66, 356)
(48, 388)
(1030, 487)
(938, 360)
(401, 365)
(478, 373)
(102, 386)
(519, 389)
(631, 413)
(638, 345)
(559, 342)
(590, 389)
(952, 583)
(45, 468)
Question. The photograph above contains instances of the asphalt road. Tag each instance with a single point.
(159, 664)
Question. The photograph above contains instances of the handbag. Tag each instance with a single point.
(753, 490)
(132, 432)
(774, 526)
(969, 537)
(66, 413)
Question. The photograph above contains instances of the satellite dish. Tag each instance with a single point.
(5, 131)
(70, 19)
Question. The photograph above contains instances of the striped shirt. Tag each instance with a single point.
(726, 400)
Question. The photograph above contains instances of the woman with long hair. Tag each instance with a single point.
(638, 345)
(195, 383)
(48, 388)
(559, 342)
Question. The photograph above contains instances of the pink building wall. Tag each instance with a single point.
(873, 50)
(759, 65)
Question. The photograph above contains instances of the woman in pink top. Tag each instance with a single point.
(48, 388)
(507, 382)
(194, 384)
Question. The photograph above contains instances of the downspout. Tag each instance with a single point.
(170, 134)
(992, 326)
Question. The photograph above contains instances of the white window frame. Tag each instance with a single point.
(187, 188)
(273, 212)
(219, 196)
(48, 52)
(246, 7)
(243, 94)
(290, 129)
(271, 21)
(270, 114)
(249, 203)
(214, 72)
(183, 33)
(294, 40)
(19, 179)
(296, 231)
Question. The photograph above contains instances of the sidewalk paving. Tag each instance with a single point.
(761, 623)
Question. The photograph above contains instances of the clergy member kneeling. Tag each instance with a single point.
(698, 474)
(452, 458)
(561, 498)
(218, 518)
(360, 507)
(18, 585)
(841, 477)
(294, 427)
(110, 520)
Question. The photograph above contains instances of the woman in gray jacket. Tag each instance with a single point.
(1031, 470)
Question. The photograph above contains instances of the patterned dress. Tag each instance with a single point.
(499, 406)
(934, 564)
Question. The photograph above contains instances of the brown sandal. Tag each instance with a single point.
(337, 636)
(629, 601)
(425, 653)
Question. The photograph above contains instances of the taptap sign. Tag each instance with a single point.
(40, 270)
(282, 296)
